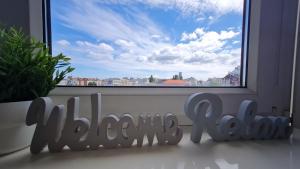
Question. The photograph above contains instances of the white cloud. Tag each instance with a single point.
(200, 33)
(228, 34)
(63, 43)
(105, 24)
(101, 47)
(202, 48)
(125, 44)
(192, 36)
(236, 42)
(101, 51)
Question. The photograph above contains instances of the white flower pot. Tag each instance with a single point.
(14, 134)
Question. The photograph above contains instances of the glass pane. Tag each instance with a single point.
(196, 43)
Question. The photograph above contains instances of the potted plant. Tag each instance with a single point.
(27, 71)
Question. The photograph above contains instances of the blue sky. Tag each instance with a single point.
(139, 38)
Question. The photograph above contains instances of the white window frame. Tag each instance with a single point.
(270, 58)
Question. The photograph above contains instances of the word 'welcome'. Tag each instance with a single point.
(58, 129)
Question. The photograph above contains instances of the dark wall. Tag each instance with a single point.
(15, 13)
(297, 89)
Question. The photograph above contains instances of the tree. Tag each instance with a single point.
(92, 84)
(151, 79)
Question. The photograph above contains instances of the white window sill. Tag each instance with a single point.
(84, 91)
(276, 154)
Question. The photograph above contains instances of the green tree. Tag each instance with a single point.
(92, 84)
(151, 79)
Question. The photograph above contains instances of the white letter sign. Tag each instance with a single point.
(57, 129)
(205, 111)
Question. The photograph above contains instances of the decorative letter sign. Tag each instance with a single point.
(57, 129)
(205, 111)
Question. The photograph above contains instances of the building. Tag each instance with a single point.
(174, 83)
(217, 82)
(233, 77)
(191, 81)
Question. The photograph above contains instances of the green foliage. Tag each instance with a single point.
(151, 79)
(27, 69)
(92, 84)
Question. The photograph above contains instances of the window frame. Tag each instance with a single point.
(47, 38)
(271, 90)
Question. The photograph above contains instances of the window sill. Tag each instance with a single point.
(273, 154)
(116, 91)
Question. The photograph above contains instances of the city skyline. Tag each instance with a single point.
(184, 77)
(136, 38)
(231, 79)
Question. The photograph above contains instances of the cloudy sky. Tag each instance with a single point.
(139, 38)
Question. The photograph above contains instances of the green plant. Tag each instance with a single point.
(92, 84)
(27, 69)
(151, 79)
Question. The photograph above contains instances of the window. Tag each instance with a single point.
(148, 43)
(271, 31)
